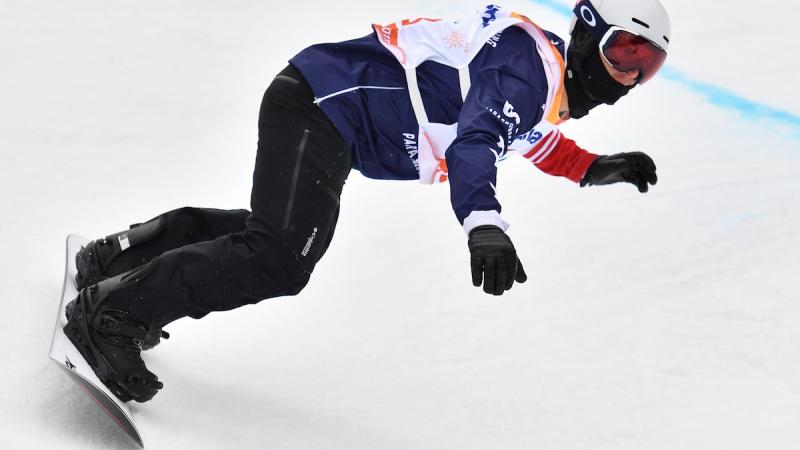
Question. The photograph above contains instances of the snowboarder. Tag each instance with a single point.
(419, 99)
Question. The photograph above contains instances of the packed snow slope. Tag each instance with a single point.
(660, 321)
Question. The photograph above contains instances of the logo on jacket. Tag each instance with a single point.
(531, 137)
(388, 34)
(454, 39)
(501, 152)
(508, 110)
(410, 142)
(490, 15)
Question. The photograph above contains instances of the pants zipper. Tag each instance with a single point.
(295, 179)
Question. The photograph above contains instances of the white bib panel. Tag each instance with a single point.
(455, 44)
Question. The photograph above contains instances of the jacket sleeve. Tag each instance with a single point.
(502, 100)
(556, 155)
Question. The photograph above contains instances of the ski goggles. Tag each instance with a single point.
(622, 49)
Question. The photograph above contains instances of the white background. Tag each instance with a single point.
(660, 321)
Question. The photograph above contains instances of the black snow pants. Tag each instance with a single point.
(206, 260)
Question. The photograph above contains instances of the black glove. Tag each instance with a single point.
(635, 168)
(494, 260)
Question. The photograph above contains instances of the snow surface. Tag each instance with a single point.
(660, 321)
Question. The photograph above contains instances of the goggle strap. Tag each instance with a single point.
(591, 19)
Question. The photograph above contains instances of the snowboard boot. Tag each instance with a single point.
(93, 264)
(110, 340)
(94, 261)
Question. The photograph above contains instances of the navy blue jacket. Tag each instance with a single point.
(362, 88)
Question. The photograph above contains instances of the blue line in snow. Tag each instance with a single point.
(556, 6)
(715, 95)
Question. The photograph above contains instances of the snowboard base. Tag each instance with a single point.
(64, 354)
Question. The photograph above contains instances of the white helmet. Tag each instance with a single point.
(630, 36)
(647, 18)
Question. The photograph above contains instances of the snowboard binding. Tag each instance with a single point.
(110, 340)
(94, 264)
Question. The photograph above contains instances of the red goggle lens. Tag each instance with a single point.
(626, 51)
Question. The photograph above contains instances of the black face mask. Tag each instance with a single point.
(588, 83)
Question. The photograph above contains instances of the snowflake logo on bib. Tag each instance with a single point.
(454, 39)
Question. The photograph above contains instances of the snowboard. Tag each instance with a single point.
(67, 357)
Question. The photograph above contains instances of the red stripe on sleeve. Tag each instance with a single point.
(567, 160)
(540, 145)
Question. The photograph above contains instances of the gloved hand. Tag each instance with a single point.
(635, 168)
(494, 260)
